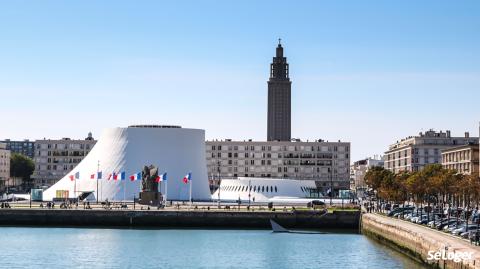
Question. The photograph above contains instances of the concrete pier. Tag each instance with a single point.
(343, 220)
(417, 241)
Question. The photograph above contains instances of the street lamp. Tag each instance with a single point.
(331, 187)
(219, 185)
(249, 192)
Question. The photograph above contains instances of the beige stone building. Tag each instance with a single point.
(414, 152)
(327, 163)
(358, 170)
(56, 158)
(464, 159)
(4, 166)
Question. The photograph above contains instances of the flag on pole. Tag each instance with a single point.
(162, 177)
(118, 176)
(97, 174)
(136, 176)
(72, 177)
(112, 176)
(77, 175)
(187, 178)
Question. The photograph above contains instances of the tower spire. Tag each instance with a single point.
(279, 98)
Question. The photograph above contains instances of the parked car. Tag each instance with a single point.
(445, 223)
(453, 226)
(399, 210)
(466, 234)
(473, 235)
(463, 228)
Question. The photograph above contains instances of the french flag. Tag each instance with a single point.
(98, 174)
(162, 177)
(120, 176)
(136, 176)
(187, 178)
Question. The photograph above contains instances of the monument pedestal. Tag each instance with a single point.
(150, 198)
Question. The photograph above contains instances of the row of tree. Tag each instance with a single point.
(433, 185)
(22, 167)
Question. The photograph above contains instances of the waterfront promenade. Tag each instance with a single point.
(181, 216)
(417, 240)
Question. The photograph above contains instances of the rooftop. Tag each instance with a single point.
(153, 126)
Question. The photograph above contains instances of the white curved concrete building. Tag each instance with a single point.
(172, 149)
(265, 190)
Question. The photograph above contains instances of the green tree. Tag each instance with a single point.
(446, 183)
(416, 186)
(22, 167)
(375, 176)
(473, 185)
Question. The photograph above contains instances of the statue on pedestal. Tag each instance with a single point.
(149, 194)
(149, 176)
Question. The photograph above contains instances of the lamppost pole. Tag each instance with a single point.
(249, 192)
(98, 169)
(219, 183)
(331, 188)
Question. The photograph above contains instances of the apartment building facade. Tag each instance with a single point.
(56, 158)
(414, 152)
(463, 159)
(326, 163)
(4, 166)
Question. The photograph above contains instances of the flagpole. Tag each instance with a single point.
(98, 169)
(101, 199)
(75, 186)
(190, 190)
(124, 190)
(166, 188)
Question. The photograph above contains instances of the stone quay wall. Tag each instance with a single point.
(417, 241)
(180, 218)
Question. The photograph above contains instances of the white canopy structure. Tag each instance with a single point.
(174, 150)
(265, 190)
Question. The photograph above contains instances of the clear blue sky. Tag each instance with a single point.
(368, 72)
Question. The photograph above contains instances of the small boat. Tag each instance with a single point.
(277, 228)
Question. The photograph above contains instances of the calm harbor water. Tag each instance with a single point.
(117, 248)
